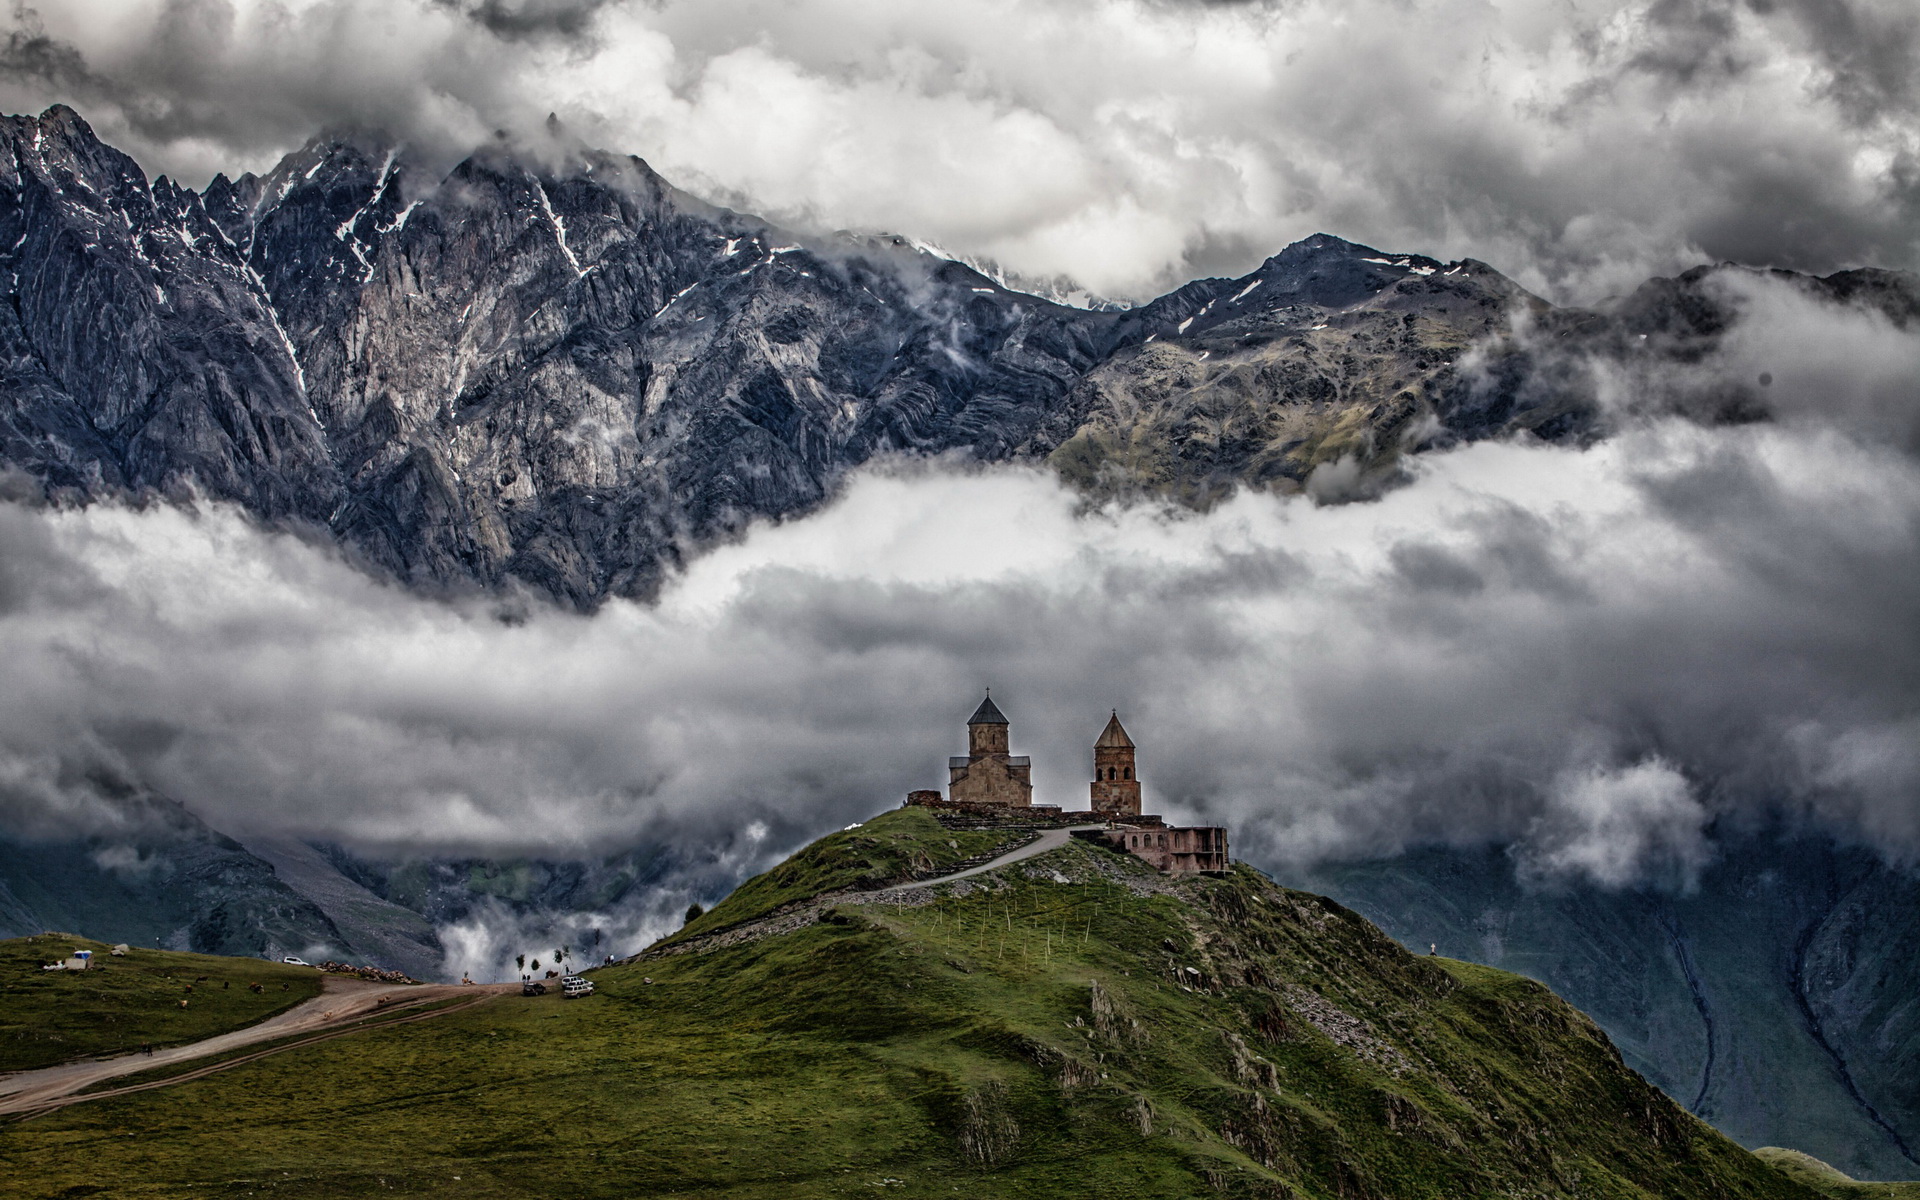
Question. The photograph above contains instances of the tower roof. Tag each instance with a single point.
(1114, 736)
(986, 714)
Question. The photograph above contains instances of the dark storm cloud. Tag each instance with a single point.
(1124, 144)
(530, 18)
(1872, 52)
(28, 55)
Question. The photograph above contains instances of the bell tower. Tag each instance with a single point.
(1116, 787)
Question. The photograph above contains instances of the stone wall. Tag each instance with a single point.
(961, 815)
(1117, 797)
(996, 779)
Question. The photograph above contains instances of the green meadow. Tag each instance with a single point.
(117, 1004)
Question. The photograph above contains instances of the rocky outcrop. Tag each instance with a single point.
(1329, 353)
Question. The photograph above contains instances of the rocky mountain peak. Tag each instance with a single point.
(551, 366)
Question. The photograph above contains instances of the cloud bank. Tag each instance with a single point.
(1127, 144)
(1596, 654)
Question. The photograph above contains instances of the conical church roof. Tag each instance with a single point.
(987, 714)
(1114, 737)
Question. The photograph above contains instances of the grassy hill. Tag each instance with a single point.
(1775, 999)
(49, 1017)
(1075, 1025)
(1829, 1181)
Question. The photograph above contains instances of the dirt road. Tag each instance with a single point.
(1052, 839)
(342, 1002)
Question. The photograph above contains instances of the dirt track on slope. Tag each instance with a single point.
(344, 1006)
(801, 913)
(1052, 839)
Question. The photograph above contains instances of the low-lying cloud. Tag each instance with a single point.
(1599, 655)
(1128, 144)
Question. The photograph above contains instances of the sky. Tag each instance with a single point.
(1605, 656)
(1124, 145)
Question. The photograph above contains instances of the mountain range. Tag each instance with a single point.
(563, 374)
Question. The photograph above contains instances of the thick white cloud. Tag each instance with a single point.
(1593, 653)
(1126, 143)
(1619, 826)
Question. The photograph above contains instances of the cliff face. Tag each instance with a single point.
(137, 350)
(565, 374)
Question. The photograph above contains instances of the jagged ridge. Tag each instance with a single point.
(565, 374)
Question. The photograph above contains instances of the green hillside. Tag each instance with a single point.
(49, 1017)
(1774, 999)
(1830, 1181)
(1075, 1025)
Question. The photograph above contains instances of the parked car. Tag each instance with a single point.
(291, 961)
(575, 985)
(533, 987)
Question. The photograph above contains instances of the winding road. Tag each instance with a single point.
(1052, 839)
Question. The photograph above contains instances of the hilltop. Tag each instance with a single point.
(1073, 1025)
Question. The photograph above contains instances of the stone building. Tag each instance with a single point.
(989, 774)
(1116, 792)
(1175, 849)
(989, 783)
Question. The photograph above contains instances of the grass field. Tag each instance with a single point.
(49, 1017)
(1074, 1028)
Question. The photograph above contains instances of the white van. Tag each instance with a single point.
(575, 985)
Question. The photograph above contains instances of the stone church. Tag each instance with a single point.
(992, 779)
(989, 774)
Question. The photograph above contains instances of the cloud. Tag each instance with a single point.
(1598, 654)
(1618, 827)
(1128, 144)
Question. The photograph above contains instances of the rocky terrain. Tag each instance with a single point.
(557, 372)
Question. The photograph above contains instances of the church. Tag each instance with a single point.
(990, 779)
(989, 774)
